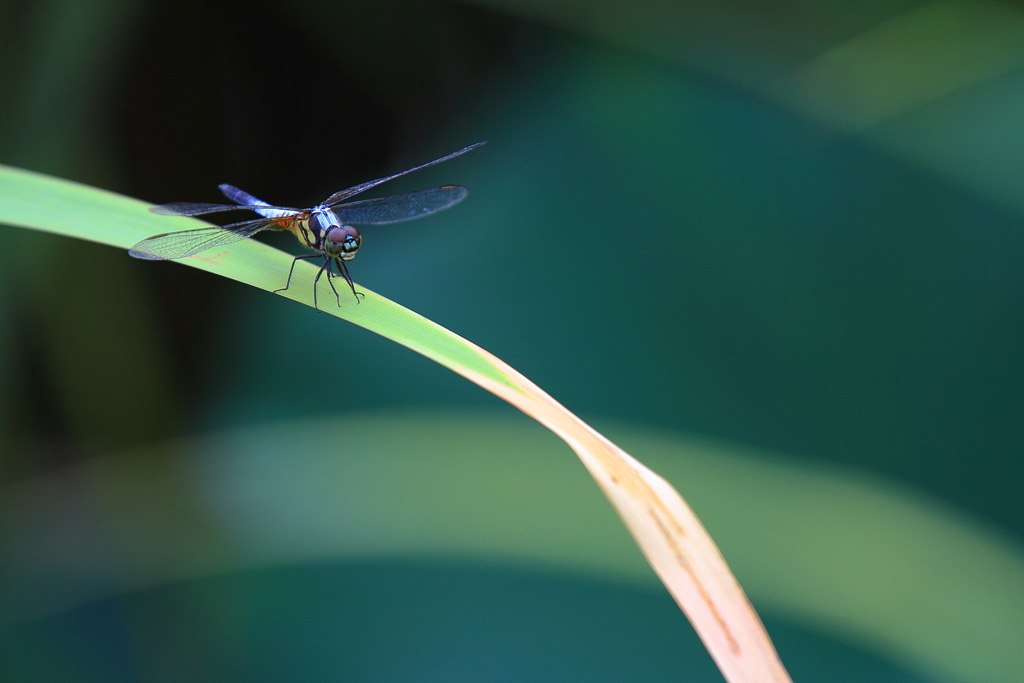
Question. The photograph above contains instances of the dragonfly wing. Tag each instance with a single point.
(175, 245)
(192, 208)
(339, 197)
(400, 207)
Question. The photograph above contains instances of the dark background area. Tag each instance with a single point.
(794, 229)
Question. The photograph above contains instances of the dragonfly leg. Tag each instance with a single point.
(343, 269)
(291, 270)
(329, 265)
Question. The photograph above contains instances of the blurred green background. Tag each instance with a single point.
(772, 248)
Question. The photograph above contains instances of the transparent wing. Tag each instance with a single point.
(400, 207)
(175, 245)
(339, 197)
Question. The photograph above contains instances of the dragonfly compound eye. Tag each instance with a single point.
(343, 242)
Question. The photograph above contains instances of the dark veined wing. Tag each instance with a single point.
(175, 245)
(400, 207)
(341, 196)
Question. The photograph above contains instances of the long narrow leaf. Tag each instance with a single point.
(668, 533)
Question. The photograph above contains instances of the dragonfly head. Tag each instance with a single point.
(342, 242)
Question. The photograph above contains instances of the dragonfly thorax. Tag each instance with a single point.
(342, 242)
(321, 230)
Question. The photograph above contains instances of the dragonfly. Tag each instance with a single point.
(327, 228)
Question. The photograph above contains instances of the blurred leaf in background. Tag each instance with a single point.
(794, 228)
